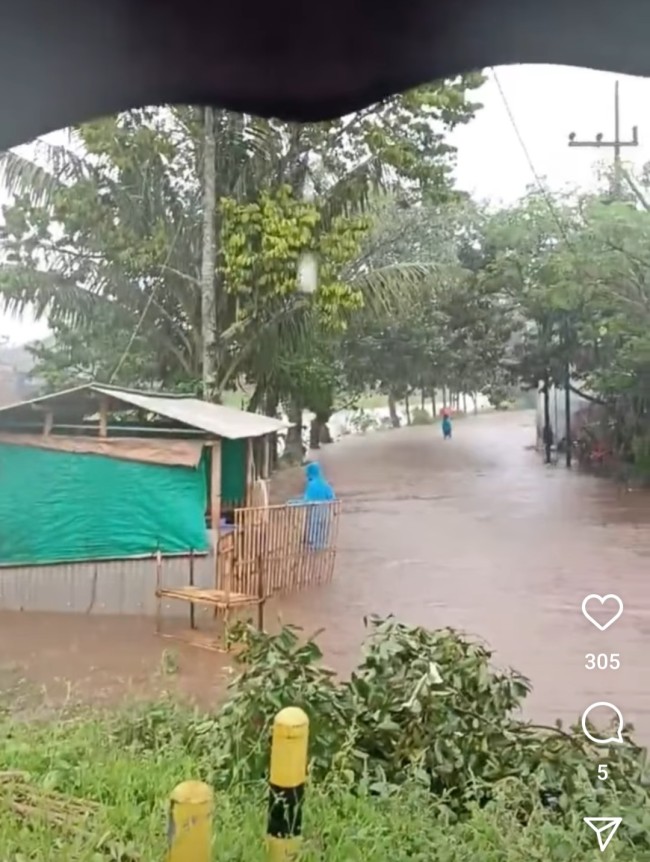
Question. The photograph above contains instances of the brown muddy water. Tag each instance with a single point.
(475, 533)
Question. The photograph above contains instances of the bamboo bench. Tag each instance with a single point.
(219, 599)
(222, 601)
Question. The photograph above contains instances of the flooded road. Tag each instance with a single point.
(480, 535)
(475, 533)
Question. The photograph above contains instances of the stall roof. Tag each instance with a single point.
(192, 412)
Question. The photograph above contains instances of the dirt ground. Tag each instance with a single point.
(474, 533)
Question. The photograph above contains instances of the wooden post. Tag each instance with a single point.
(215, 505)
(192, 615)
(227, 583)
(266, 457)
(215, 489)
(103, 416)
(250, 470)
(158, 589)
(261, 592)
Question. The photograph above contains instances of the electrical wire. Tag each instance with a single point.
(147, 306)
(538, 180)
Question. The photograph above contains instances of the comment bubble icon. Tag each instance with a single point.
(606, 737)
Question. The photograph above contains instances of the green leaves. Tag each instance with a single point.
(576, 273)
(425, 711)
(109, 227)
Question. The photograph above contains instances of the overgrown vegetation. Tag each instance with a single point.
(420, 289)
(421, 754)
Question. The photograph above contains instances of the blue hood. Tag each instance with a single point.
(313, 470)
(318, 490)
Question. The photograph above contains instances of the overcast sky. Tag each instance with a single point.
(547, 102)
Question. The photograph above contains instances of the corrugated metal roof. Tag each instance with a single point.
(213, 418)
(202, 415)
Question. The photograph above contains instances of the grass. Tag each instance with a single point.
(120, 810)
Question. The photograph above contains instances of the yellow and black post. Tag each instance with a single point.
(287, 784)
(191, 806)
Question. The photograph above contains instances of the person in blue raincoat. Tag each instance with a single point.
(446, 427)
(317, 490)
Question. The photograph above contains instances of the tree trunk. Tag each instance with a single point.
(465, 402)
(271, 404)
(314, 433)
(434, 408)
(256, 400)
(208, 258)
(293, 451)
(407, 407)
(319, 432)
(392, 409)
(475, 400)
(324, 433)
(423, 400)
(444, 396)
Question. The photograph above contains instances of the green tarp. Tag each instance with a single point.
(58, 506)
(233, 471)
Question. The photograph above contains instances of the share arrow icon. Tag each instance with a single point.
(604, 827)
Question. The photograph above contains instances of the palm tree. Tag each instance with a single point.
(119, 226)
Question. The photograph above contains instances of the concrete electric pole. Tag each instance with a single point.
(616, 144)
(617, 188)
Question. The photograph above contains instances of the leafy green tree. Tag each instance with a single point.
(576, 271)
(112, 226)
(452, 327)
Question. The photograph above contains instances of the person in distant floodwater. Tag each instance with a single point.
(446, 425)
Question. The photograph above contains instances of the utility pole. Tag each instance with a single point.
(616, 144)
(208, 257)
(548, 434)
(567, 414)
(567, 395)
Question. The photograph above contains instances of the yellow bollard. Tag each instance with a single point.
(190, 823)
(287, 784)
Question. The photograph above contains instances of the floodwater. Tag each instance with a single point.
(478, 534)
(475, 533)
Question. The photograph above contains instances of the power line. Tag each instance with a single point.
(147, 306)
(558, 220)
(538, 180)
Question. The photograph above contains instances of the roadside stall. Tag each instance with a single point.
(96, 480)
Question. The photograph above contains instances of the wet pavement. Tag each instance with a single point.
(475, 533)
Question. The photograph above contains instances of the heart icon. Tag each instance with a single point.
(602, 601)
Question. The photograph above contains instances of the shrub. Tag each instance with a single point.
(362, 421)
(423, 707)
(421, 754)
